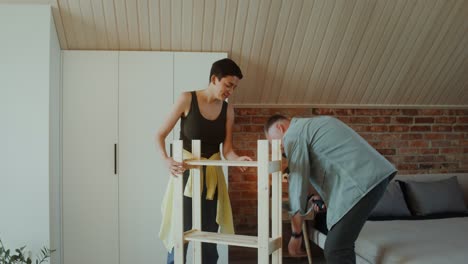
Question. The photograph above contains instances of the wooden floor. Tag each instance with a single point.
(238, 255)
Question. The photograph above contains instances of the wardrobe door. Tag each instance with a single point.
(192, 72)
(145, 98)
(90, 183)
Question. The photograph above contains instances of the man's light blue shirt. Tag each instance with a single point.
(340, 164)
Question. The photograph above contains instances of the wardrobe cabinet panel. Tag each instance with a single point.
(192, 72)
(145, 98)
(89, 184)
(112, 200)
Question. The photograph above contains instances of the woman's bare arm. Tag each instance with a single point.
(181, 107)
(228, 150)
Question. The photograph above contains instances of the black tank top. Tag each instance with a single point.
(210, 132)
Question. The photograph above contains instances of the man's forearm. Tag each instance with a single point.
(296, 222)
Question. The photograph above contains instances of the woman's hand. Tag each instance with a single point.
(243, 158)
(175, 167)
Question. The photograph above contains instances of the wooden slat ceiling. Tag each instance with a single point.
(296, 52)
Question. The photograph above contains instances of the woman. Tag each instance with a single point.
(205, 115)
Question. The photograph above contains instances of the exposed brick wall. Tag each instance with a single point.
(416, 141)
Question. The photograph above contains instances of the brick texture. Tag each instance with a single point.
(414, 140)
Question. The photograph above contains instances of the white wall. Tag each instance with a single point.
(55, 169)
(26, 60)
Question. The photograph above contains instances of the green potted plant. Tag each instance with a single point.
(18, 255)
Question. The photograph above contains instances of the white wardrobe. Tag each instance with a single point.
(113, 179)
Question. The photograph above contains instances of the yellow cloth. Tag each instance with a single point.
(214, 179)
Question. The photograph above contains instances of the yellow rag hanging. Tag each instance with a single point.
(214, 179)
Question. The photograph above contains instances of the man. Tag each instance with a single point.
(348, 174)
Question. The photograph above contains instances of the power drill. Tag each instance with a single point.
(320, 203)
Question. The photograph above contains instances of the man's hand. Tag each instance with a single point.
(314, 206)
(294, 247)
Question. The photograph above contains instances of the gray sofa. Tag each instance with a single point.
(443, 240)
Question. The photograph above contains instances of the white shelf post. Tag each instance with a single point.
(276, 211)
(263, 202)
(196, 201)
(178, 206)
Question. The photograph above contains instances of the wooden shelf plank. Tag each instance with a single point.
(274, 166)
(274, 244)
(225, 239)
(222, 163)
(232, 240)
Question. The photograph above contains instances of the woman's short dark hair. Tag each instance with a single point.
(272, 120)
(225, 67)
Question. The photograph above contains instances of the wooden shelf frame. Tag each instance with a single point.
(265, 243)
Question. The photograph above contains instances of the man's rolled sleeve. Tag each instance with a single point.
(299, 169)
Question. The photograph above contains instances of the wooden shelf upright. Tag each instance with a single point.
(265, 244)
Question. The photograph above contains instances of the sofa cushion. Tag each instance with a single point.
(435, 197)
(392, 205)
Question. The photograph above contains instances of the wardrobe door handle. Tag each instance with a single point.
(115, 159)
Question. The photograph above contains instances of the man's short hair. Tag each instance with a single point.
(272, 120)
(225, 67)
